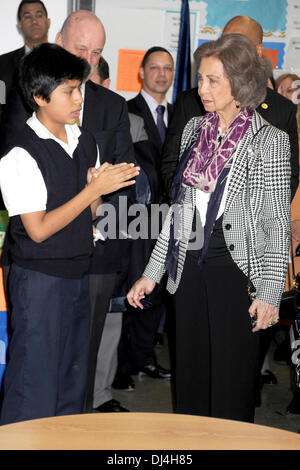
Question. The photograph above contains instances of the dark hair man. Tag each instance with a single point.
(156, 73)
(33, 24)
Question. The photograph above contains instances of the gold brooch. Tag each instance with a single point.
(264, 106)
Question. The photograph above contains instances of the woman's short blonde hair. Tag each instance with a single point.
(295, 78)
(282, 77)
(245, 71)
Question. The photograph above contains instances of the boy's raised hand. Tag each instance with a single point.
(109, 178)
(93, 172)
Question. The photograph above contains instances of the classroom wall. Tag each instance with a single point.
(136, 25)
(132, 26)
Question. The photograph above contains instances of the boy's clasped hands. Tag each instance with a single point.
(109, 178)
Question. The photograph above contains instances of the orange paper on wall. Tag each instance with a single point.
(129, 63)
(272, 55)
(3, 305)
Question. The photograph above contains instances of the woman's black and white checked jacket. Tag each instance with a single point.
(269, 212)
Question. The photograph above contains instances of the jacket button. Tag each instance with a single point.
(228, 226)
(231, 247)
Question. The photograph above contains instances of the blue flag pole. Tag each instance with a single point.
(182, 80)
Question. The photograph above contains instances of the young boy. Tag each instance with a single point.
(51, 188)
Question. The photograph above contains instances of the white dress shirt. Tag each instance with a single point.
(152, 103)
(22, 184)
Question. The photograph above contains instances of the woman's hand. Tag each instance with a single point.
(266, 315)
(295, 227)
(139, 289)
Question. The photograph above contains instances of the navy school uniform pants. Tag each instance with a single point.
(48, 351)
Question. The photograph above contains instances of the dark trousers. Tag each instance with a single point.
(139, 328)
(101, 291)
(216, 351)
(48, 351)
(137, 343)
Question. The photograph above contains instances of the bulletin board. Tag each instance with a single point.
(280, 20)
(133, 26)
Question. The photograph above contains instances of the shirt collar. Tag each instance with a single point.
(27, 49)
(72, 130)
(152, 103)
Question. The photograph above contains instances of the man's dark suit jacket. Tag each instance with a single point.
(138, 105)
(9, 66)
(277, 110)
(105, 116)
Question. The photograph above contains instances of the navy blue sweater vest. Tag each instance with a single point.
(67, 252)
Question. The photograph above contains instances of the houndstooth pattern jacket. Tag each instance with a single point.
(267, 151)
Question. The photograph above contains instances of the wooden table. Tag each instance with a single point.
(143, 431)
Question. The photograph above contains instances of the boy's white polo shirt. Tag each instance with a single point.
(22, 184)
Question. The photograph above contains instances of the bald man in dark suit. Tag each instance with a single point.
(156, 73)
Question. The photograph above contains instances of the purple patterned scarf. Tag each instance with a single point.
(208, 158)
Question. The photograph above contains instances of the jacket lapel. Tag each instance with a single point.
(170, 112)
(88, 107)
(93, 112)
(244, 153)
(18, 56)
(151, 127)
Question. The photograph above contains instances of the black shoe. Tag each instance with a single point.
(267, 377)
(123, 382)
(156, 372)
(110, 407)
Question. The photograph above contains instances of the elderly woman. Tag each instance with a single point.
(231, 192)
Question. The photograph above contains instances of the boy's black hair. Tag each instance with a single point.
(103, 69)
(47, 67)
(30, 1)
(151, 51)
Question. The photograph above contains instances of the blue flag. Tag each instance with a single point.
(182, 80)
